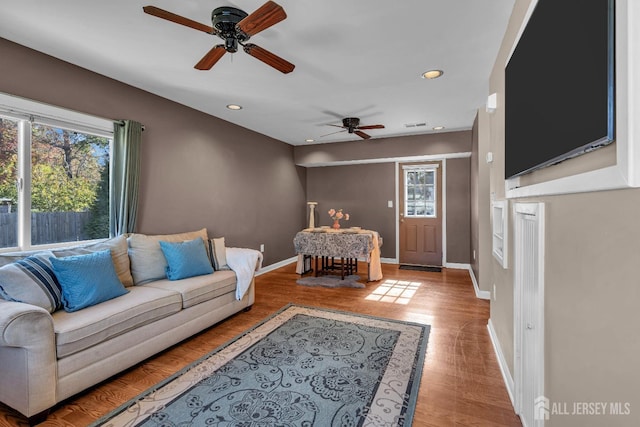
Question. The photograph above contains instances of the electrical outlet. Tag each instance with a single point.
(262, 247)
(474, 254)
(390, 203)
(494, 291)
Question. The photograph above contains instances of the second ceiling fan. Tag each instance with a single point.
(235, 27)
(352, 125)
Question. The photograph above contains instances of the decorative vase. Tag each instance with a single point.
(336, 224)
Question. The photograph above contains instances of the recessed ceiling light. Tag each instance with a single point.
(438, 127)
(432, 74)
(234, 107)
(309, 140)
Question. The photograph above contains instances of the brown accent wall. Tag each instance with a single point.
(360, 190)
(364, 190)
(458, 193)
(197, 170)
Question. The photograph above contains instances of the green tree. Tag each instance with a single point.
(98, 225)
(53, 191)
(8, 159)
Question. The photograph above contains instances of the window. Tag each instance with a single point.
(54, 179)
(420, 191)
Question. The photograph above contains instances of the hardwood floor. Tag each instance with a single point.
(461, 382)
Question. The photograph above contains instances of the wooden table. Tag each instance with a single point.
(328, 245)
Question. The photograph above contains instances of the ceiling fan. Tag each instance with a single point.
(352, 125)
(235, 27)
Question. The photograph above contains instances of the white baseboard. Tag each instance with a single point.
(479, 294)
(277, 265)
(291, 260)
(456, 265)
(502, 362)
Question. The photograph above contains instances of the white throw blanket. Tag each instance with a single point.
(244, 262)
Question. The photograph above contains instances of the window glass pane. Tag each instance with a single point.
(430, 209)
(420, 193)
(430, 179)
(69, 185)
(8, 177)
(429, 193)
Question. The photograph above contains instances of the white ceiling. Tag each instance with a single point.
(353, 58)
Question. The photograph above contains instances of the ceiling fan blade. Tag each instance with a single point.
(210, 59)
(338, 126)
(269, 58)
(332, 133)
(362, 134)
(169, 16)
(265, 16)
(371, 127)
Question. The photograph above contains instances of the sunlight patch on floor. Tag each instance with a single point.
(394, 291)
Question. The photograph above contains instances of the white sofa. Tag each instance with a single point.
(46, 357)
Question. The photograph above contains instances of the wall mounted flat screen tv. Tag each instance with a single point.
(559, 85)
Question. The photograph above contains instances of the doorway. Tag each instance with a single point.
(420, 214)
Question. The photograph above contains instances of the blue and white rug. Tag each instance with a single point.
(303, 366)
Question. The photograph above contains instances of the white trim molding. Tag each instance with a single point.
(502, 362)
(479, 293)
(277, 265)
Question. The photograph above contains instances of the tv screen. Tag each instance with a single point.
(559, 85)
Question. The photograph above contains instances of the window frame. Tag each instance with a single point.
(27, 112)
(433, 168)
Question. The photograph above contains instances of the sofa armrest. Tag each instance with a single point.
(28, 365)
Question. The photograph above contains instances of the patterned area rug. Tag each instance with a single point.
(303, 366)
(332, 281)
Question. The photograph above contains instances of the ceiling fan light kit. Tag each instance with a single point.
(235, 27)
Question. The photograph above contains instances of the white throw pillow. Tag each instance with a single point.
(218, 254)
(147, 260)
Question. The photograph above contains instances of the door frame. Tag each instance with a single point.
(443, 161)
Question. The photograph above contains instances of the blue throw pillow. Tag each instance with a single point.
(87, 280)
(186, 259)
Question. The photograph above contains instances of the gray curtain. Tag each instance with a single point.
(125, 176)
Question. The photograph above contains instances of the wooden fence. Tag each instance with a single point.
(46, 227)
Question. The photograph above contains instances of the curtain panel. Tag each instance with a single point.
(125, 177)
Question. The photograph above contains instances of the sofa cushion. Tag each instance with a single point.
(119, 253)
(195, 290)
(31, 280)
(85, 328)
(87, 280)
(147, 261)
(186, 259)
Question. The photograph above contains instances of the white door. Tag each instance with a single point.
(529, 314)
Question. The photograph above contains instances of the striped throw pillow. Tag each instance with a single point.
(31, 280)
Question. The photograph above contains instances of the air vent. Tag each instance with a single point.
(415, 125)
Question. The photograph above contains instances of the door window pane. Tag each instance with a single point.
(69, 185)
(420, 193)
(8, 178)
